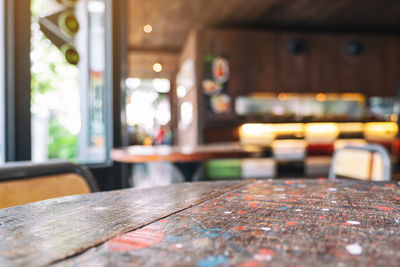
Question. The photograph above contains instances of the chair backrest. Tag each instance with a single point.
(368, 162)
(25, 182)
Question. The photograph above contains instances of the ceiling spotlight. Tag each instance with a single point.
(157, 67)
(147, 28)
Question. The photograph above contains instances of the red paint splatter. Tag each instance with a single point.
(242, 212)
(264, 251)
(291, 223)
(141, 238)
(163, 221)
(389, 185)
(248, 197)
(321, 179)
(322, 217)
(252, 204)
(290, 182)
(398, 198)
(384, 208)
(239, 228)
(228, 197)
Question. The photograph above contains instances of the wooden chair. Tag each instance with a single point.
(25, 182)
(368, 162)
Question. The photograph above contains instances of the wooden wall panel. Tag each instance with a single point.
(324, 67)
(391, 71)
(293, 71)
(261, 62)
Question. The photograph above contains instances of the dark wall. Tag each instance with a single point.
(260, 62)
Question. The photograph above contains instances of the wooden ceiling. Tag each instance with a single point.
(173, 19)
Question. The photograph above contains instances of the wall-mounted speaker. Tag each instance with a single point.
(355, 48)
(296, 46)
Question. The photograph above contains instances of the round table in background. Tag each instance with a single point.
(187, 159)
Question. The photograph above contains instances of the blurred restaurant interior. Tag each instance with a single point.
(224, 115)
(296, 80)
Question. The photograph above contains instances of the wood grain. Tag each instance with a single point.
(269, 223)
(41, 233)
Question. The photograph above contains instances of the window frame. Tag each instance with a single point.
(17, 82)
(2, 83)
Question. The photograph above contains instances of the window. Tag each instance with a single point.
(2, 82)
(148, 112)
(71, 97)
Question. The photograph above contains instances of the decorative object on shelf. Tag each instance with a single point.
(355, 48)
(296, 46)
(211, 87)
(215, 83)
(220, 103)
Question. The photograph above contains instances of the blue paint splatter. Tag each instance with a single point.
(213, 261)
(173, 239)
(285, 208)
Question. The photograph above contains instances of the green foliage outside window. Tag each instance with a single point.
(51, 78)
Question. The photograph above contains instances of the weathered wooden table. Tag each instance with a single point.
(255, 223)
(186, 158)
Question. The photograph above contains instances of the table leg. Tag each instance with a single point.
(188, 169)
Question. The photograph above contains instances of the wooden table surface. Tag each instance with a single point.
(142, 154)
(255, 223)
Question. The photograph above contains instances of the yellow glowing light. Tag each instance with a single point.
(320, 97)
(321, 133)
(256, 133)
(157, 67)
(295, 129)
(380, 131)
(283, 96)
(147, 28)
(351, 127)
(353, 97)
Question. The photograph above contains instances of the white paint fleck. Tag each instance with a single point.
(228, 212)
(333, 201)
(266, 229)
(353, 222)
(179, 246)
(279, 189)
(354, 249)
(325, 209)
(263, 257)
(298, 210)
(282, 197)
(100, 208)
(332, 189)
(302, 185)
